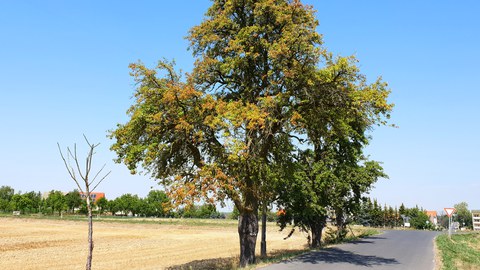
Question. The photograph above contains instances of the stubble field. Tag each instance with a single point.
(161, 244)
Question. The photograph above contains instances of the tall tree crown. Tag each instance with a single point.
(250, 49)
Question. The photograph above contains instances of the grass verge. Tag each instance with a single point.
(462, 251)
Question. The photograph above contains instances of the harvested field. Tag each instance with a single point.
(62, 244)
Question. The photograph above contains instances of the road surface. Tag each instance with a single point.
(390, 250)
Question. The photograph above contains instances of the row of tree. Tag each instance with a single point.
(373, 214)
(155, 204)
(32, 202)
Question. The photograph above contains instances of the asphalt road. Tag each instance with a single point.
(411, 250)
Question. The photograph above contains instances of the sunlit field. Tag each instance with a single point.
(131, 244)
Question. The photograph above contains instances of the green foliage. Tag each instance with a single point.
(6, 194)
(402, 209)
(419, 219)
(203, 211)
(102, 205)
(56, 201)
(372, 214)
(25, 203)
(73, 200)
(112, 207)
(158, 204)
(235, 213)
(376, 214)
(443, 221)
(128, 204)
(325, 184)
(463, 215)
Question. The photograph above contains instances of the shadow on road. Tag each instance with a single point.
(335, 255)
(366, 240)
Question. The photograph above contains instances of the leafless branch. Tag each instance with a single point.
(70, 169)
(101, 180)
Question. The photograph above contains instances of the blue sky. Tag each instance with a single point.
(64, 73)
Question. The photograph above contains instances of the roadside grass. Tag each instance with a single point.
(460, 252)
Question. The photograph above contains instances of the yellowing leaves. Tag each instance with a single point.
(296, 118)
(183, 125)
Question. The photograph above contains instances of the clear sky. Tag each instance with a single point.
(64, 73)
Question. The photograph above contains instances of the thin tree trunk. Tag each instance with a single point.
(341, 229)
(263, 246)
(90, 234)
(247, 231)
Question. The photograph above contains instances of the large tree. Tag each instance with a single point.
(464, 216)
(318, 188)
(260, 76)
(56, 201)
(6, 194)
(73, 199)
(157, 203)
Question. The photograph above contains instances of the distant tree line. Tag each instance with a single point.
(371, 213)
(30, 202)
(155, 204)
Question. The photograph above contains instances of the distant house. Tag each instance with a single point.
(432, 216)
(95, 196)
(476, 220)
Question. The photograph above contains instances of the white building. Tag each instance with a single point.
(476, 220)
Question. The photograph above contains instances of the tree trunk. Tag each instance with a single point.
(263, 246)
(247, 231)
(316, 235)
(317, 228)
(341, 228)
(90, 234)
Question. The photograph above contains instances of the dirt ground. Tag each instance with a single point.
(57, 244)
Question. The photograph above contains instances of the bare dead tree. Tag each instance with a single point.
(84, 184)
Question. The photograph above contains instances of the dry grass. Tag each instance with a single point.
(58, 244)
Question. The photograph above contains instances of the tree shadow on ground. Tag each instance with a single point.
(233, 262)
(366, 240)
(208, 264)
(336, 255)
